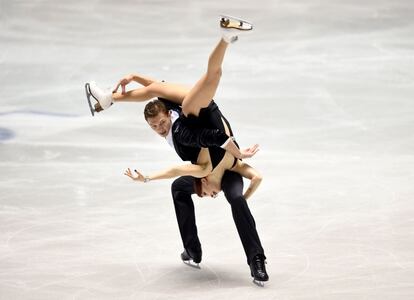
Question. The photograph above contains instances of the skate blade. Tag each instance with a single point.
(192, 264)
(88, 97)
(259, 283)
(230, 22)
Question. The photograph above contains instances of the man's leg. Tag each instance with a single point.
(181, 190)
(232, 186)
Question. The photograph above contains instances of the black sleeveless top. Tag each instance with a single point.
(207, 130)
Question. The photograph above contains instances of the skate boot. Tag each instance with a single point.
(232, 27)
(258, 270)
(191, 258)
(102, 97)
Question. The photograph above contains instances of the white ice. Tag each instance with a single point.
(326, 87)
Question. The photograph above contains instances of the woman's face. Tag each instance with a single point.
(209, 188)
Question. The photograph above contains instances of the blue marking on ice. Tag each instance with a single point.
(6, 134)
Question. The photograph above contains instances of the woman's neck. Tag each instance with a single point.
(215, 177)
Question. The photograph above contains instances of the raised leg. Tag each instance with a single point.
(170, 91)
(193, 100)
(204, 90)
(173, 92)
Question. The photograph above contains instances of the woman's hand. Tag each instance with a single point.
(123, 83)
(139, 176)
(249, 152)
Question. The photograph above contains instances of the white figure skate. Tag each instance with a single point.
(232, 27)
(103, 97)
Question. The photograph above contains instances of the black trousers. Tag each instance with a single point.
(232, 186)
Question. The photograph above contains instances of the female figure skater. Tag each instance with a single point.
(200, 122)
(198, 110)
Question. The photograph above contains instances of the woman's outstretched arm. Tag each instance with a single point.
(176, 171)
(250, 173)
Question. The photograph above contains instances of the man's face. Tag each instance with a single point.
(209, 188)
(161, 123)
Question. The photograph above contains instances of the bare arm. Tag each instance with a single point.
(231, 147)
(176, 171)
(250, 173)
(143, 80)
(123, 82)
(137, 95)
(151, 89)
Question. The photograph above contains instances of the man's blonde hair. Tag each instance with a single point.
(153, 108)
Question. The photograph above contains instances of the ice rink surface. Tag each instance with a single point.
(326, 87)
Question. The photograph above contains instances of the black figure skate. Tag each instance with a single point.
(258, 270)
(191, 259)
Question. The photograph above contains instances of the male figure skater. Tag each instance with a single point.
(183, 187)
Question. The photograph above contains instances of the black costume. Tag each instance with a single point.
(189, 135)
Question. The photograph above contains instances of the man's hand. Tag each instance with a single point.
(139, 176)
(249, 152)
(123, 83)
(239, 153)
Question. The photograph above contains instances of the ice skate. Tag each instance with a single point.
(258, 270)
(102, 97)
(193, 260)
(232, 27)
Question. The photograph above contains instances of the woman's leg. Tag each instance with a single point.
(173, 92)
(204, 90)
